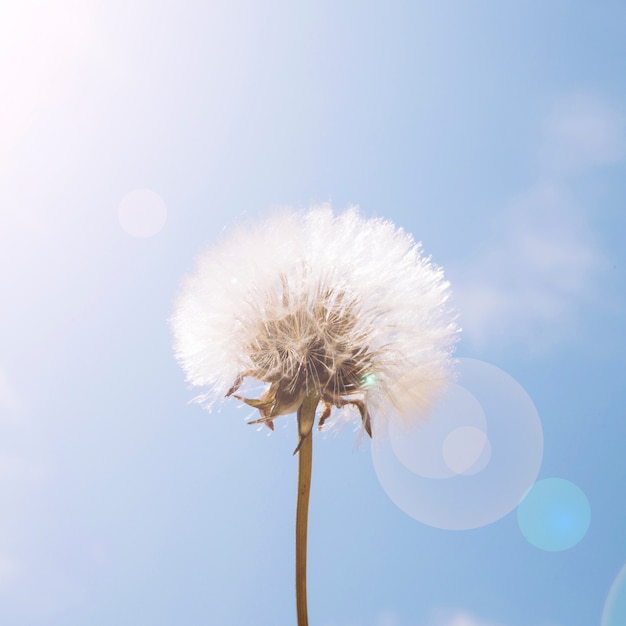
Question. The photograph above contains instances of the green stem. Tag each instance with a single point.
(306, 418)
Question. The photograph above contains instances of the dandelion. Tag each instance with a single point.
(332, 313)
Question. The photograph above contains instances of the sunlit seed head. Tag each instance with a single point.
(335, 305)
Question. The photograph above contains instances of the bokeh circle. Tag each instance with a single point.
(614, 613)
(554, 515)
(142, 213)
(473, 461)
(423, 450)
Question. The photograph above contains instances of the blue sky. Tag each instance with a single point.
(495, 132)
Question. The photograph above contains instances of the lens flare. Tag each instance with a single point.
(554, 515)
(614, 613)
(142, 213)
(464, 447)
(475, 459)
(422, 448)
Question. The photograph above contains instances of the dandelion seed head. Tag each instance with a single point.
(311, 301)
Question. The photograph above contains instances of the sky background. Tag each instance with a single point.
(494, 132)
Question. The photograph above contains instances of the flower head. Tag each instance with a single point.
(336, 307)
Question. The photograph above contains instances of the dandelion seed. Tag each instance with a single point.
(327, 310)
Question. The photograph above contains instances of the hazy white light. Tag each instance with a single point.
(43, 45)
(142, 213)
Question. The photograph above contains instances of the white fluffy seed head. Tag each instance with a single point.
(338, 304)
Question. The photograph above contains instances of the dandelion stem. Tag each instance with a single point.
(306, 418)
